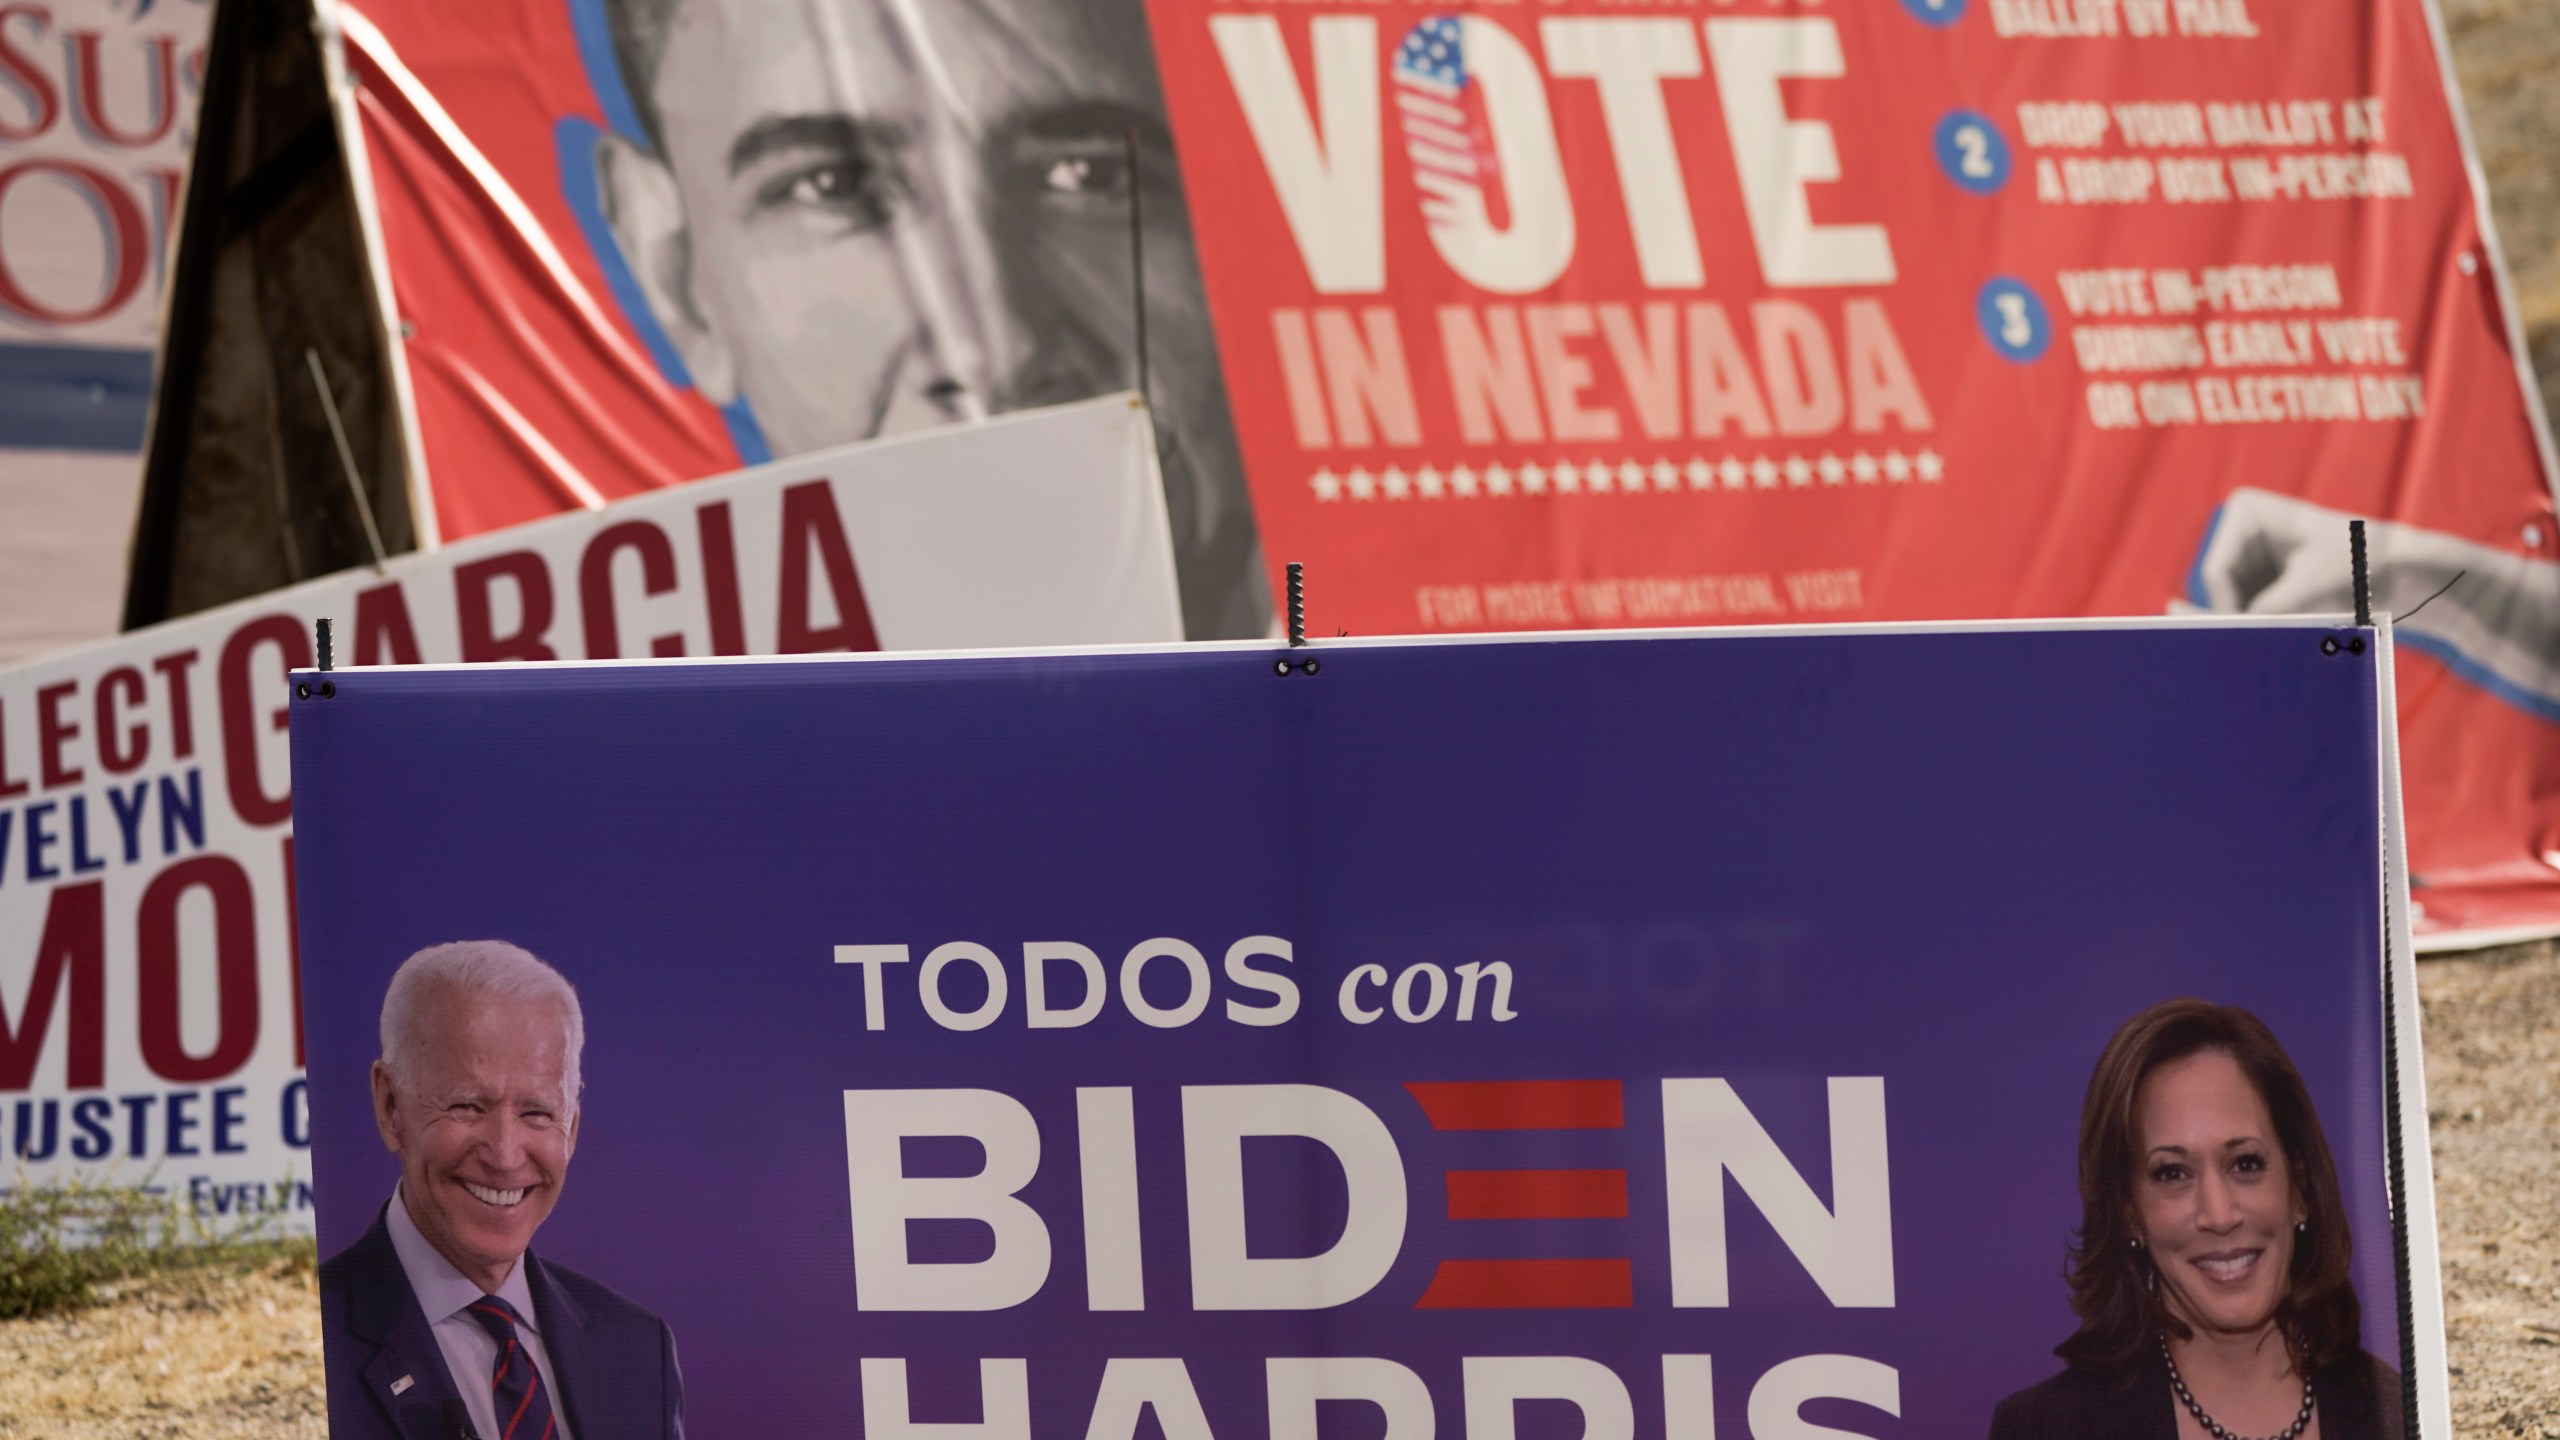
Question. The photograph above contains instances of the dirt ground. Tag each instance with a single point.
(203, 1355)
(2493, 1100)
(2507, 55)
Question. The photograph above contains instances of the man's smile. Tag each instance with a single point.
(503, 1199)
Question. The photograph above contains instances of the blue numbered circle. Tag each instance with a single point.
(1935, 12)
(1972, 151)
(2013, 319)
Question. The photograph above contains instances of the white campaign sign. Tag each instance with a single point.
(150, 1014)
(97, 118)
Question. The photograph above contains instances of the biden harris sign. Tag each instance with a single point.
(1639, 1037)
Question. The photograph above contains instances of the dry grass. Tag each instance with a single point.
(216, 1351)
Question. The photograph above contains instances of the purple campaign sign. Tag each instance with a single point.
(1707, 1015)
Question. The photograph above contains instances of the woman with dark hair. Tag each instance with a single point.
(2211, 1272)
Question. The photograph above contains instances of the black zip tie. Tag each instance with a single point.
(2399, 1170)
(1297, 605)
(2393, 1149)
(2423, 604)
(320, 632)
(2364, 582)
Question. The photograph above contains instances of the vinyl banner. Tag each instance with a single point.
(150, 1029)
(1624, 1037)
(1504, 317)
(97, 111)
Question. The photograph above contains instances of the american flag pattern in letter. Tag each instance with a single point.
(1442, 112)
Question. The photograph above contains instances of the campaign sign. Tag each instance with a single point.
(97, 119)
(150, 1025)
(1665, 1036)
(1581, 314)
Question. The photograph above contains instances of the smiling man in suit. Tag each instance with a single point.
(441, 1317)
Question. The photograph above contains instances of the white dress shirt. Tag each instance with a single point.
(470, 1355)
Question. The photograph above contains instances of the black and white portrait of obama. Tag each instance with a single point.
(867, 216)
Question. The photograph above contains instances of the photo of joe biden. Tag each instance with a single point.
(440, 1321)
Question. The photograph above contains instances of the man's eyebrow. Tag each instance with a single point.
(1071, 119)
(790, 134)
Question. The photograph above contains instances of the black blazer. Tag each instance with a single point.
(2357, 1399)
(616, 1362)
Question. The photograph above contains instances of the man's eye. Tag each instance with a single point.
(824, 185)
(845, 188)
(1085, 175)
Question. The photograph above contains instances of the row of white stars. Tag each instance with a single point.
(1629, 477)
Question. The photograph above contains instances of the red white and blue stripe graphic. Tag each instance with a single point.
(1442, 112)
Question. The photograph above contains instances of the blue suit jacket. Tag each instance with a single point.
(616, 1362)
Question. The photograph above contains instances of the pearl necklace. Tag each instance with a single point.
(2179, 1384)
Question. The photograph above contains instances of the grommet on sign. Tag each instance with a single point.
(321, 642)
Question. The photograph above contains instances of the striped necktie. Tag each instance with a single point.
(523, 1406)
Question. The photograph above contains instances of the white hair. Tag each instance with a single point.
(491, 968)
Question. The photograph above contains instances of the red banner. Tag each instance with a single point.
(1574, 315)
